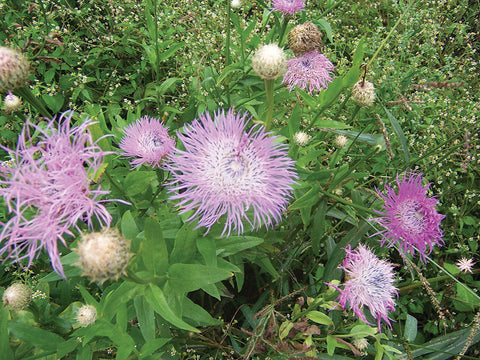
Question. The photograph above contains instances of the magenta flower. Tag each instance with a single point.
(288, 6)
(410, 217)
(47, 189)
(312, 70)
(369, 282)
(227, 170)
(148, 140)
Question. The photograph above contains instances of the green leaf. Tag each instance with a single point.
(145, 317)
(164, 55)
(331, 345)
(185, 245)
(319, 318)
(198, 315)
(397, 129)
(207, 248)
(310, 198)
(137, 181)
(128, 226)
(54, 102)
(5, 349)
(465, 300)
(66, 348)
(153, 249)
(191, 277)
(331, 124)
(285, 329)
(294, 121)
(153, 345)
(35, 336)
(410, 328)
(360, 331)
(234, 244)
(155, 296)
(113, 299)
(318, 227)
(325, 25)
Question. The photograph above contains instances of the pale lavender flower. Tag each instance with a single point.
(47, 189)
(288, 6)
(410, 217)
(369, 282)
(312, 71)
(148, 140)
(228, 170)
(465, 265)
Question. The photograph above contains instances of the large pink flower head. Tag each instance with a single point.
(288, 6)
(369, 282)
(312, 71)
(147, 140)
(410, 217)
(228, 170)
(47, 189)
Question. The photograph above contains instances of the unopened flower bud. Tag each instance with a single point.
(86, 315)
(103, 255)
(304, 38)
(341, 141)
(236, 4)
(360, 344)
(363, 93)
(14, 69)
(269, 61)
(17, 296)
(300, 138)
(12, 102)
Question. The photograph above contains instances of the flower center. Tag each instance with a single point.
(411, 215)
(150, 141)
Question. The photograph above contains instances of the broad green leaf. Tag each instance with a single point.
(84, 352)
(128, 226)
(35, 336)
(234, 244)
(207, 248)
(360, 331)
(164, 55)
(294, 121)
(331, 345)
(153, 248)
(185, 245)
(145, 317)
(325, 25)
(54, 102)
(319, 318)
(65, 348)
(153, 345)
(123, 293)
(310, 198)
(191, 277)
(137, 181)
(331, 124)
(285, 329)
(5, 349)
(155, 296)
(465, 301)
(197, 314)
(410, 328)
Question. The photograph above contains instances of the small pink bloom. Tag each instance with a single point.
(288, 6)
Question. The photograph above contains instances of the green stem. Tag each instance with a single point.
(282, 30)
(343, 201)
(269, 84)
(27, 95)
(227, 49)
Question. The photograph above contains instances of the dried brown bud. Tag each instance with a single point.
(305, 38)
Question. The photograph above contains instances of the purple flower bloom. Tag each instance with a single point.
(312, 70)
(148, 140)
(369, 283)
(410, 217)
(225, 169)
(47, 189)
(288, 6)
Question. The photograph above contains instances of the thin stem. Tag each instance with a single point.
(227, 49)
(27, 95)
(269, 83)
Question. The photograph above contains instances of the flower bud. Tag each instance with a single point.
(86, 315)
(363, 93)
(103, 255)
(269, 61)
(341, 141)
(17, 296)
(236, 4)
(300, 138)
(304, 38)
(12, 102)
(14, 69)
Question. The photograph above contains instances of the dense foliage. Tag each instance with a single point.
(278, 267)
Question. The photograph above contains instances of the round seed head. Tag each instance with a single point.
(17, 296)
(363, 93)
(304, 38)
(269, 61)
(14, 69)
(86, 315)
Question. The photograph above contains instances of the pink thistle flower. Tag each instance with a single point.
(312, 70)
(465, 265)
(148, 140)
(226, 170)
(369, 282)
(288, 6)
(410, 217)
(48, 189)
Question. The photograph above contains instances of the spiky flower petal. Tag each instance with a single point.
(312, 71)
(269, 61)
(86, 315)
(228, 170)
(14, 69)
(103, 255)
(363, 92)
(465, 265)
(305, 38)
(409, 217)
(48, 189)
(17, 296)
(288, 7)
(369, 282)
